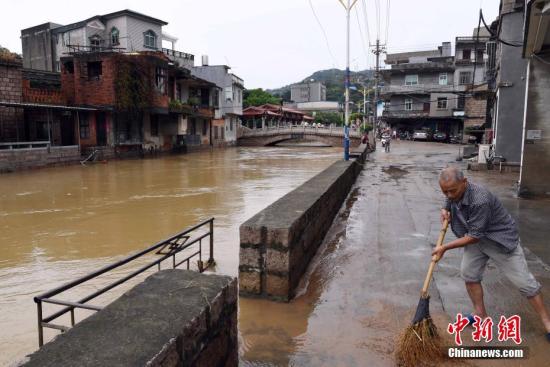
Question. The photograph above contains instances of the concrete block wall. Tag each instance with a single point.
(20, 159)
(174, 318)
(277, 244)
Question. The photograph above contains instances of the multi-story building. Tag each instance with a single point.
(230, 110)
(437, 91)
(45, 44)
(143, 101)
(308, 92)
(471, 82)
(419, 91)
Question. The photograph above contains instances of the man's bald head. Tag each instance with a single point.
(453, 183)
(451, 174)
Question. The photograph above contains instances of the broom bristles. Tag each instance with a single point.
(419, 345)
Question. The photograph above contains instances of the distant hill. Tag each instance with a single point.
(333, 79)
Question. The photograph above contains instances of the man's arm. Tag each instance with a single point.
(460, 242)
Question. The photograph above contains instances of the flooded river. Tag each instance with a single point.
(58, 224)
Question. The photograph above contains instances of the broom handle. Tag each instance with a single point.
(432, 264)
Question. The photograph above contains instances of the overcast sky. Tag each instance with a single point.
(272, 43)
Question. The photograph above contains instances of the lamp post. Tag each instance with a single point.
(348, 8)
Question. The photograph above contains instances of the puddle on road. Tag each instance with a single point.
(395, 172)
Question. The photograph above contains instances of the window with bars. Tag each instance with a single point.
(442, 103)
(465, 77)
(443, 79)
(411, 79)
(84, 126)
(115, 39)
(160, 80)
(150, 39)
(408, 105)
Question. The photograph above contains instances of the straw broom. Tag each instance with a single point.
(420, 344)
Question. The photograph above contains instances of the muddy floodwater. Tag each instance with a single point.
(61, 223)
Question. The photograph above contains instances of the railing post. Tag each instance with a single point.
(72, 316)
(40, 328)
(211, 259)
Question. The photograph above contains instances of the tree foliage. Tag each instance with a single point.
(258, 97)
(328, 118)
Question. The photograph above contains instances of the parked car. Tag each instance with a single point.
(441, 136)
(420, 135)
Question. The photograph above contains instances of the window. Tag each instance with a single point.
(480, 54)
(461, 103)
(411, 79)
(215, 132)
(443, 79)
(84, 126)
(150, 39)
(466, 54)
(231, 124)
(160, 80)
(154, 125)
(204, 127)
(95, 43)
(94, 70)
(216, 98)
(115, 36)
(408, 105)
(465, 77)
(205, 97)
(68, 67)
(223, 132)
(228, 93)
(442, 103)
(41, 130)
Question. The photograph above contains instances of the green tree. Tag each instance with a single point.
(329, 118)
(258, 97)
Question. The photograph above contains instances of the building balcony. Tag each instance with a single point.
(423, 66)
(237, 80)
(417, 89)
(183, 59)
(406, 114)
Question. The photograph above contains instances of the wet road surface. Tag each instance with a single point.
(365, 281)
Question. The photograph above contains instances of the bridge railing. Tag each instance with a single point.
(293, 129)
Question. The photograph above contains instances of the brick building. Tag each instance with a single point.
(143, 102)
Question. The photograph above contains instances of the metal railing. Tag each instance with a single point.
(178, 54)
(293, 129)
(166, 249)
(25, 145)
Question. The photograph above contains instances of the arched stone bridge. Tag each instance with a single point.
(275, 135)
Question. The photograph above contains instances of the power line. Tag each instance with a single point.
(377, 6)
(362, 38)
(334, 60)
(387, 20)
(364, 6)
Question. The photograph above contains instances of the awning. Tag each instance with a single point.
(46, 106)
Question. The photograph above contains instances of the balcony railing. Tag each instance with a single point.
(406, 113)
(418, 88)
(178, 54)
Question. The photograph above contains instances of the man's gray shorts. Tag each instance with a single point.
(512, 264)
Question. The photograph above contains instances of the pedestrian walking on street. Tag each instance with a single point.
(486, 231)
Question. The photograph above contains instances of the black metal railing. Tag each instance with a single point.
(166, 249)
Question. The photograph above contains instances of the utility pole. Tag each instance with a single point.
(348, 8)
(379, 49)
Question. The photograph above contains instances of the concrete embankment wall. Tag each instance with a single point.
(277, 244)
(173, 318)
(19, 159)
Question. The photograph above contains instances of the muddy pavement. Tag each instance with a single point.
(365, 282)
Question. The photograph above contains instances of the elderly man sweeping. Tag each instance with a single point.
(486, 231)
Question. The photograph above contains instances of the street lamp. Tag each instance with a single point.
(348, 8)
